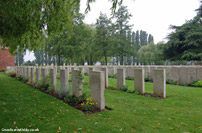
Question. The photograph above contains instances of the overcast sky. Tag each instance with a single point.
(152, 16)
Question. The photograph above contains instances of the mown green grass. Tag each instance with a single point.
(22, 106)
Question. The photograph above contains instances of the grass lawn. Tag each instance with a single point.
(22, 106)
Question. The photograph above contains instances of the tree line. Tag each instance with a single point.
(25, 24)
(110, 40)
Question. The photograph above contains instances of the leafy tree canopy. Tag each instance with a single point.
(103, 36)
(25, 23)
(185, 43)
(121, 27)
(146, 54)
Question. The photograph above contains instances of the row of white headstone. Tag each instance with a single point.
(34, 75)
(159, 80)
(180, 74)
(97, 79)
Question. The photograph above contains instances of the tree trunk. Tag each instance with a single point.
(122, 60)
(58, 60)
(91, 60)
(72, 61)
(105, 59)
(117, 60)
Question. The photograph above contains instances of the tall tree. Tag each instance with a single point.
(19, 58)
(143, 38)
(199, 12)
(76, 48)
(16, 59)
(123, 47)
(150, 54)
(185, 42)
(134, 43)
(37, 57)
(137, 39)
(150, 39)
(133, 37)
(128, 59)
(103, 36)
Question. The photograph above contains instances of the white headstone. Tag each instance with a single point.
(120, 78)
(97, 89)
(64, 82)
(139, 80)
(77, 83)
(160, 82)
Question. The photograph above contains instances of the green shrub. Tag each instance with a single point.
(70, 99)
(198, 83)
(129, 91)
(124, 88)
(25, 80)
(86, 103)
(63, 95)
(82, 97)
(87, 107)
(12, 74)
(2, 70)
(171, 82)
(114, 76)
(134, 91)
(50, 90)
(129, 78)
(20, 78)
(43, 89)
(110, 77)
(147, 79)
(43, 85)
(89, 104)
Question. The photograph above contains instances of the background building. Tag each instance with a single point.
(6, 59)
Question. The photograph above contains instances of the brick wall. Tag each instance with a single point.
(6, 59)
